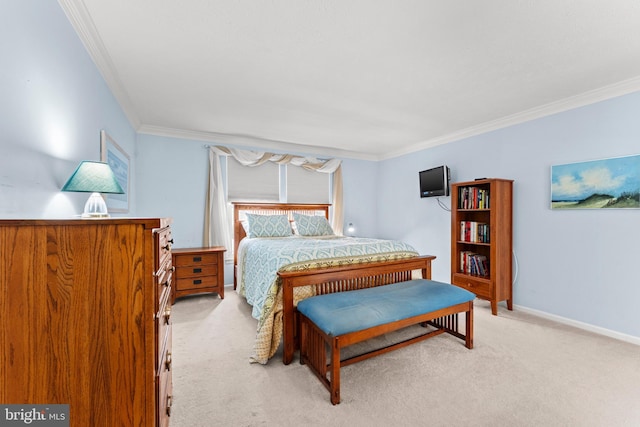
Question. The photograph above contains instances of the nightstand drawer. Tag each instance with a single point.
(196, 271)
(195, 259)
(196, 282)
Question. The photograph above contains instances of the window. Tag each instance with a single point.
(305, 186)
(263, 184)
(258, 183)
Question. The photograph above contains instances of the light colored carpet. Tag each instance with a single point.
(523, 371)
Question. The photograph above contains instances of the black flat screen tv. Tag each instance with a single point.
(434, 182)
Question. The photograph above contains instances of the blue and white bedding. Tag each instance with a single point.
(259, 260)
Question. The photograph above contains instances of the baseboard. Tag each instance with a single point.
(581, 325)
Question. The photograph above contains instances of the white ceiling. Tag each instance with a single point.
(367, 79)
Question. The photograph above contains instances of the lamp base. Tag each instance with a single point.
(95, 207)
(94, 215)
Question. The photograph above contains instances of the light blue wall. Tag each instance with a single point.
(577, 264)
(53, 105)
(172, 182)
(360, 194)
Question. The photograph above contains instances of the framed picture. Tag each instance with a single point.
(599, 184)
(118, 159)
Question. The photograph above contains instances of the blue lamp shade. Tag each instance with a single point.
(95, 178)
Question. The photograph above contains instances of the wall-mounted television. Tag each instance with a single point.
(434, 182)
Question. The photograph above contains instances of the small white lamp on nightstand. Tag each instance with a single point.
(95, 178)
(351, 230)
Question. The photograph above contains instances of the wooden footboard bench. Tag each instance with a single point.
(340, 279)
(333, 321)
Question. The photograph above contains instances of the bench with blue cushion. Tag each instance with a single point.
(334, 321)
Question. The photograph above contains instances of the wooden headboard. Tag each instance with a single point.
(241, 209)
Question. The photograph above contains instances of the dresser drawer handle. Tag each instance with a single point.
(197, 259)
(169, 402)
(167, 314)
(197, 270)
(197, 282)
(167, 362)
(167, 247)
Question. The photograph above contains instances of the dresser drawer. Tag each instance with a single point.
(163, 247)
(164, 385)
(164, 284)
(480, 287)
(164, 263)
(163, 326)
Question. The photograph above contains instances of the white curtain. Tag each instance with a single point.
(217, 232)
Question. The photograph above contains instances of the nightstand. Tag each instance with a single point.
(198, 270)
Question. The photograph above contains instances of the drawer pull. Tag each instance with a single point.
(197, 270)
(197, 282)
(167, 247)
(167, 314)
(167, 362)
(197, 259)
(169, 402)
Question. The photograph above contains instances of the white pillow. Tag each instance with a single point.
(268, 225)
(315, 225)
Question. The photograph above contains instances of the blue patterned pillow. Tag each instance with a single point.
(307, 225)
(268, 225)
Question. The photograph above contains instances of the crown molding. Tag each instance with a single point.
(250, 141)
(624, 87)
(591, 97)
(81, 21)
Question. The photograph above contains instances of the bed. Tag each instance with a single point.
(273, 270)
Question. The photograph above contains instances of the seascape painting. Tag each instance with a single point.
(599, 184)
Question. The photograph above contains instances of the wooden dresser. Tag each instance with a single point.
(86, 319)
(198, 270)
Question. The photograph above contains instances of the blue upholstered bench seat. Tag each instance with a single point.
(343, 312)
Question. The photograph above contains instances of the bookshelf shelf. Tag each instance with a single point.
(481, 239)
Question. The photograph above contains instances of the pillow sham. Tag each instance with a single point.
(308, 225)
(268, 225)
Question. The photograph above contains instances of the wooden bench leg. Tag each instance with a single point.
(335, 371)
(303, 341)
(469, 327)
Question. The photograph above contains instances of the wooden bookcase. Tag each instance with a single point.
(481, 239)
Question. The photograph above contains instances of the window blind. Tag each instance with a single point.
(304, 186)
(259, 183)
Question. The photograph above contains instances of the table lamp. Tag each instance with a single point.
(95, 178)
